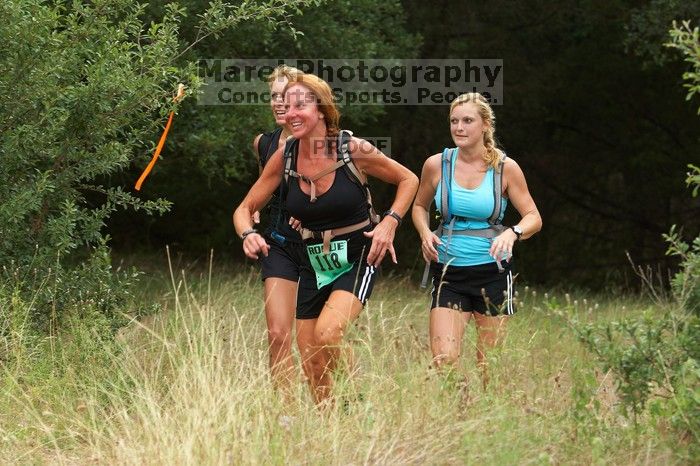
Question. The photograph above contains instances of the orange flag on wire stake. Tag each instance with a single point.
(161, 143)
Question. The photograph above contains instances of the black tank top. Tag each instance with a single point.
(279, 217)
(342, 205)
(267, 145)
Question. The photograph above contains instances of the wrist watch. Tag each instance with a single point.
(517, 230)
(249, 231)
(391, 213)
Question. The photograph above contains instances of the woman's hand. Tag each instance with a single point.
(427, 246)
(372, 162)
(254, 244)
(502, 245)
(430, 176)
(295, 224)
(382, 241)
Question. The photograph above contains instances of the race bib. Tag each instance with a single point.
(329, 267)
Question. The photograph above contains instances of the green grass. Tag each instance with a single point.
(189, 385)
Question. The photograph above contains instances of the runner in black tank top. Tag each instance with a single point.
(343, 204)
(339, 268)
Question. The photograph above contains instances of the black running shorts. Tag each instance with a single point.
(478, 288)
(359, 280)
(283, 260)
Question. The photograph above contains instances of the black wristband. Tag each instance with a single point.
(249, 231)
(396, 216)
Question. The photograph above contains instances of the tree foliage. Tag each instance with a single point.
(648, 24)
(687, 40)
(603, 137)
(84, 91)
(208, 161)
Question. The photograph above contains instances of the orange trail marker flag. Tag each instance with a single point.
(161, 143)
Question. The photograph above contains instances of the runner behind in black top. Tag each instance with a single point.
(279, 268)
(278, 229)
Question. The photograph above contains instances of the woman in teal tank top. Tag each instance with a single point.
(470, 254)
(472, 208)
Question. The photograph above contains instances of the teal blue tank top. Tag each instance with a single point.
(473, 207)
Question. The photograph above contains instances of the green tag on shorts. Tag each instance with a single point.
(329, 267)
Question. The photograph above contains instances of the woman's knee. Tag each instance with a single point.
(445, 359)
(445, 352)
(280, 337)
(328, 336)
(314, 361)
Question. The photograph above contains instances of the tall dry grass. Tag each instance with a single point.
(190, 385)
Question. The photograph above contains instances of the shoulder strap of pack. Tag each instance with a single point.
(343, 159)
(497, 191)
(446, 183)
(356, 174)
(344, 154)
(289, 149)
(266, 144)
(263, 145)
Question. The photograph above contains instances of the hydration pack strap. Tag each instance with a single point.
(289, 147)
(497, 191)
(317, 176)
(356, 174)
(445, 184)
(327, 235)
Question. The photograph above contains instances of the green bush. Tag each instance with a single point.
(85, 90)
(656, 358)
(686, 282)
(49, 296)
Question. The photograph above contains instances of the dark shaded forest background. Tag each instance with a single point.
(594, 112)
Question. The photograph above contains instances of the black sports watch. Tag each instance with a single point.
(517, 230)
(391, 213)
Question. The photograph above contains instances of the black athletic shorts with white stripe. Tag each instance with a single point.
(359, 280)
(478, 288)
